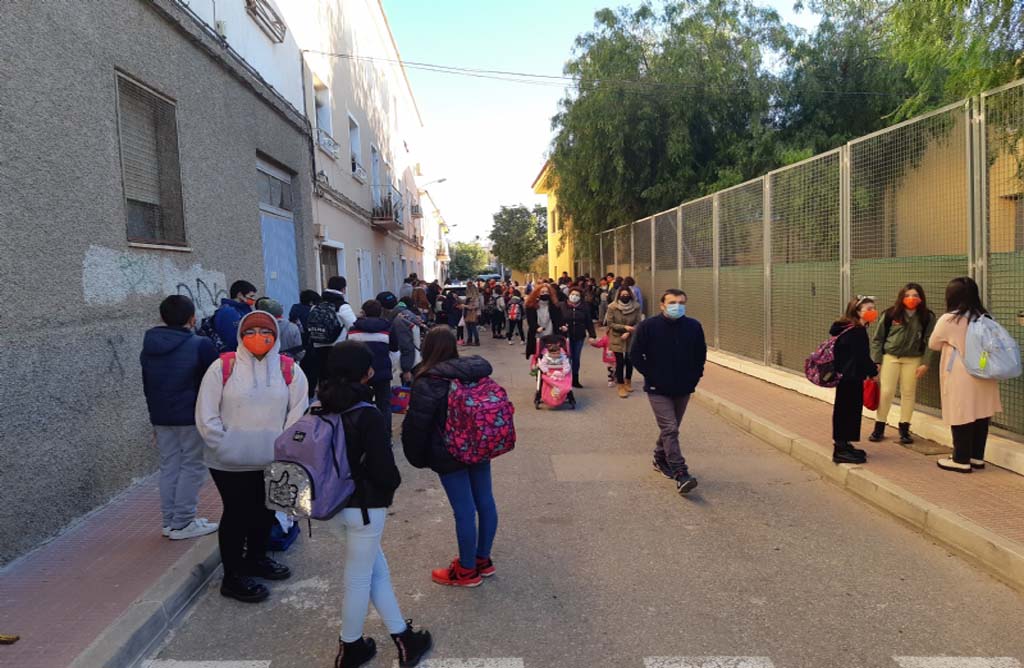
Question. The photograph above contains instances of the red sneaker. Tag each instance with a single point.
(457, 576)
(485, 567)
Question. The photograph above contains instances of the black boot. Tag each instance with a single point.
(411, 644)
(905, 438)
(844, 453)
(355, 654)
(242, 588)
(878, 434)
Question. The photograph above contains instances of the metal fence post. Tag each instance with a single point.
(766, 242)
(654, 264)
(632, 249)
(615, 251)
(715, 261)
(977, 190)
(679, 248)
(845, 224)
(600, 252)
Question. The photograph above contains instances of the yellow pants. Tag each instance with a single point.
(898, 372)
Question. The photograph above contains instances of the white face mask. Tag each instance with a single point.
(575, 299)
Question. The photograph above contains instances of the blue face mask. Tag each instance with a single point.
(675, 311)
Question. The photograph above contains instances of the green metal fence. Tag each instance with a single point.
(769, 264)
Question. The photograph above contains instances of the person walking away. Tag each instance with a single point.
(245, 401)
(451, 310)
(420, 305)
(514, 308)
(968, 402)
(543, 316)
(472, 314)
(173, 361)
(853, 361)
(350, 372)
(623, 316)
(577, 327)
(222, 326)
(373, 330)
(433, 292)
(497, 312)
(407, 327)
(406, 290)
(291, 337)
(468, 487)
(325, 330)
(900, 349)
(670, 351)
(299, 314)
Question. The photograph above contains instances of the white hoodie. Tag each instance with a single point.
(240, 420)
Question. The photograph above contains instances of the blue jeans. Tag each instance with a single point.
(366, 575)
(575, 352)
(472, 333)
(469, 492)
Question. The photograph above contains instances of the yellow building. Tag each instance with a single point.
(560, 245)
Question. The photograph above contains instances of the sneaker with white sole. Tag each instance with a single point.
(977, 464)
(197, 527)
(166, 532)
(948, 464)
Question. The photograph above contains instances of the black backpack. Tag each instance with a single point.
(207, 329)
(323, 325)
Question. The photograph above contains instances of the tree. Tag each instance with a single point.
(519, 235)
(468, 260)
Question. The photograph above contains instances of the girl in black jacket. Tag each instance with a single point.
(577, 325)
(853, 360)
(468, 487)
(368, 448)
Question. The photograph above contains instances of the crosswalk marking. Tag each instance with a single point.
(708, 662)
(172, 663)
(469, 663)
(956, 662)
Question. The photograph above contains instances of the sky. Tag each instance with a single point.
(487, 138)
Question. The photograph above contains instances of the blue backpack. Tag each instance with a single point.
(990, 351)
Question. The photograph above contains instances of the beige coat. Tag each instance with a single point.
(965, 398)
(618, 320)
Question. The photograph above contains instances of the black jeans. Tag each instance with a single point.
(514, 325)
(245, 524)
(623, 364)
(497, 324)
(318, 367)
(969, 440)
(382, 397)
(847, 411)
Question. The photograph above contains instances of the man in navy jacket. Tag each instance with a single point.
(670, 351)
(231, 311)
(174, 360)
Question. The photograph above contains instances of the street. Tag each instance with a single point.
(602, 564)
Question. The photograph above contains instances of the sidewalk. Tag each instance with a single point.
(91, 582)
(979, 515)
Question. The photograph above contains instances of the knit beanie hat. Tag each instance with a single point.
(271, 306)
(259, 319)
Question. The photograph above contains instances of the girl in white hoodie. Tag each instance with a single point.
(245, 402)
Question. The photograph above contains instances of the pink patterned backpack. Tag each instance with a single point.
(820, 367)
(479, 424)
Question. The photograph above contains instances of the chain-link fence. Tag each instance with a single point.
(768, 265)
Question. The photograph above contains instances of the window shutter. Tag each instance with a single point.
(139, 151)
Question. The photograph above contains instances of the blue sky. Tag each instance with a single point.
(489, 138)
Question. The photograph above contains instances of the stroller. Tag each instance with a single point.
(552, 390)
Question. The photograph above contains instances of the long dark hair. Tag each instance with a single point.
(964, 299)
(898, 311)
(852, 314)
(439, 345)
(347, 365)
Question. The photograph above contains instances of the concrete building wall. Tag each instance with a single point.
(75, 295)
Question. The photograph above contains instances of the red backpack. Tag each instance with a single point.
(227, 365)
(479, 425)
(513, 311)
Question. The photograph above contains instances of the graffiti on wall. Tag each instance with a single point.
(111, 277)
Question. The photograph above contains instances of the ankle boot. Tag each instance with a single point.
(411, 644)
(878, 434)
(905, 438)
(355, 654)
(844, 453)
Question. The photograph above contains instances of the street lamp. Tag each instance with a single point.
(423, 188)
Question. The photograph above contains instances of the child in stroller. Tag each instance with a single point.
(554, 373)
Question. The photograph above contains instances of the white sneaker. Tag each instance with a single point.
(166, 532)
(197, 527)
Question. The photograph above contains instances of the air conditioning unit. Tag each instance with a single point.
(319, 231)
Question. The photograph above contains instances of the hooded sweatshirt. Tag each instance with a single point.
(378, 336)
(240, 420)
(173, 363)
(226, 319)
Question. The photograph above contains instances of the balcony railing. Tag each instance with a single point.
(387, 212)
(357, 169)
(416, 211)
(327, 143)
(442, 253)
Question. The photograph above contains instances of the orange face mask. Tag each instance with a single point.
(911, 302)
(869, 316)
(258, 344)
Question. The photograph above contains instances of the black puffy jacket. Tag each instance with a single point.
(423, 427)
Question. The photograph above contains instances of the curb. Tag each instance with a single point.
(999, 556)
(127, 640)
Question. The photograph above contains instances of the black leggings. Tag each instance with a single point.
(969, 441)
(497, 323)
(514, 325)
(623, 363)
(245, 523)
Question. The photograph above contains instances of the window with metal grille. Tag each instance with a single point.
(149, 165)
(274, 191)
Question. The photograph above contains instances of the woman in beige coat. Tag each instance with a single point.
(968, 403)
(623, 316)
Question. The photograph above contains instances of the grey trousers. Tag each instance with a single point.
(668, 413)
(182, 473)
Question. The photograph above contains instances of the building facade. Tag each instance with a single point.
(560, 242)
(143, 156)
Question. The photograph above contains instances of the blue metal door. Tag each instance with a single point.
(280, 265)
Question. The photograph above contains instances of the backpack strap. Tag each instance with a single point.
(344, 422)
(227, 365)
(287, 369)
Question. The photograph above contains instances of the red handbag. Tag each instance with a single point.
(871, 394)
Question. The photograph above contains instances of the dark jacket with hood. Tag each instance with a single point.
(452, 312)
(378, 336)
(576, 320)
(670, 354)
(853, 352)
(226, 319)
(423, 427)
(368, 448)
(173, 363)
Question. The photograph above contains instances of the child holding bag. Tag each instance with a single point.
(853, 361)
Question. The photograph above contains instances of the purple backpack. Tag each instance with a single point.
(479, 425)
(310, 476)
(820, 367)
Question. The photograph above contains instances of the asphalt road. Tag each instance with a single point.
(602, 564)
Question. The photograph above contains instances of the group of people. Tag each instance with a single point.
(218, 401)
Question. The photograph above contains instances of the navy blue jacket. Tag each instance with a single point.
(173, 363)
(376, 333)
(226, 320)
(670, 354)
